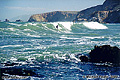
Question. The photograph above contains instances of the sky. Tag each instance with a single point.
(13, 8)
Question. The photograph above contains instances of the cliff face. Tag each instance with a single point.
(105, 13)
(54, 16)
(105, 16)
(109, 12)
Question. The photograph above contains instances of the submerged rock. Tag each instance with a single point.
(18, 71)
(9, 63)
(103, 54)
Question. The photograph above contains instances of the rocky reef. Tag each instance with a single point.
(105, 13)
(103, 54)
(54, 16)
(18, 20)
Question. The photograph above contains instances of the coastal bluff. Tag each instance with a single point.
(108, 12)
(54, 16)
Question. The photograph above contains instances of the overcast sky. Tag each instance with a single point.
(13, 8)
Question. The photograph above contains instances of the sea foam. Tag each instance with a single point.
(67, 25)
(94, 25)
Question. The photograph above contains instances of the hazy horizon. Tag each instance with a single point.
(13, 8)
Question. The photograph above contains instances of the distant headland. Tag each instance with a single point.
(108, 12)
(54, 16)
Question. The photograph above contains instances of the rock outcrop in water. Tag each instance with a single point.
(18, 20)
(6, 20)
(103, 54)
(54, 16)
(20, 71)
(109, 12)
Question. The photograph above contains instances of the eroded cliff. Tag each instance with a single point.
(109, 12)
(54, 16)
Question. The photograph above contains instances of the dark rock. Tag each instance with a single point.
(105, 54)
(8, 63)
(54, 16)
(18, 71)
(19, 20)
(84, 59)
(6, 20)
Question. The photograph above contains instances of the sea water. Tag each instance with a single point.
(54, 52)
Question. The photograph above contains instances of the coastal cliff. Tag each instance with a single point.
(109, 12)
(54, 16)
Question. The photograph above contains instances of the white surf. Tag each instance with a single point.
(94, 25)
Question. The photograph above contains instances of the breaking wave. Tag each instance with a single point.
(63, 26)
(94, 25)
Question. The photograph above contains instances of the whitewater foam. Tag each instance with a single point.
(11, 46)
(15, 24)
(12, 29)
(67, 25)
(33, 24)
(94, 25)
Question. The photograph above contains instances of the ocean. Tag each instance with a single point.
(53, 53)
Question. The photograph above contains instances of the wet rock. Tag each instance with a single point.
(105, 54)
(84, 59)
(8, 63)
(18, 71)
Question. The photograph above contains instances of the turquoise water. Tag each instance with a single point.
(54, 53)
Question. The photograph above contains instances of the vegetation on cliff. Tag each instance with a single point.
(54, 16)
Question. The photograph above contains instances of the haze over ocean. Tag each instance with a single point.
(13, 8)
